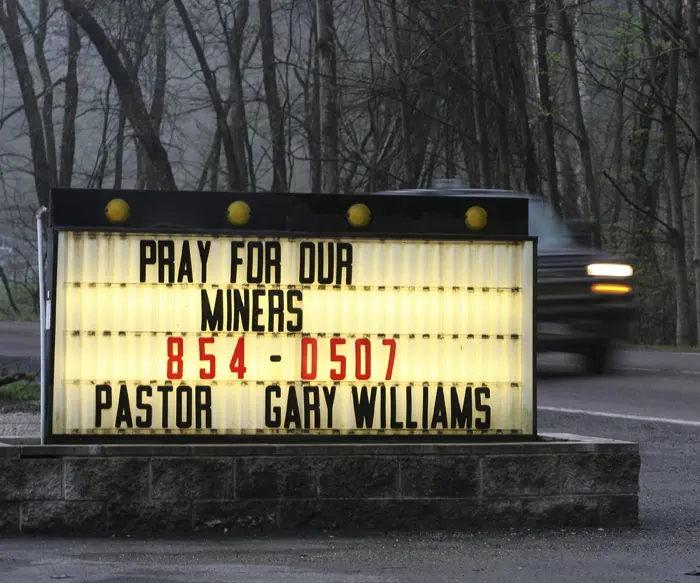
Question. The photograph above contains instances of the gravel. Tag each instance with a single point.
(17, 419)
(19, 423)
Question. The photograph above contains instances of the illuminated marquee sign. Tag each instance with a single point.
(174, 324)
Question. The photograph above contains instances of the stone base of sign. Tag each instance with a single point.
(559, 480)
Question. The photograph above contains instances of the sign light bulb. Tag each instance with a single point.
(359, 215)
(238, 213)
(475, 218)
(117, 211)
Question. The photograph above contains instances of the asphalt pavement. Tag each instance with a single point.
(19, 339)
(653, 399)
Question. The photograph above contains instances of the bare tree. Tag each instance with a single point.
(677, 235)
(328, 99)
(129, 93)
(234, 176)
(274, 109)
(546, 109)
(580, 124)
(43, 172)
(70, 107)
(694, 96)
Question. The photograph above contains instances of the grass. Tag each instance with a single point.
(24, 393)
(24, 301)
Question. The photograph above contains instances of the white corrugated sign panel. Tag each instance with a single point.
(219, 335)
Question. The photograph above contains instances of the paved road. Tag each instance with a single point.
(19, 340)
(654, 400)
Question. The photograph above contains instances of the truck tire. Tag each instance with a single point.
(598, 359)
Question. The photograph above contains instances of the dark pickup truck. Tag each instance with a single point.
(585, 296)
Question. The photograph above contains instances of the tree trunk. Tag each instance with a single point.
(532, 179)
(694, 69)
(503, 104)
(158, 100)
(38, 34)
(328, 99)
(70, 106)
(403, 98)
(274, 109)
(314, 129)
(582, 134)
(9, 24)
(119, 147)
(618, 153)
(238, 120)
(478, 95)
(645, 199)
(468, 131)
(546, 109)
(680, 272)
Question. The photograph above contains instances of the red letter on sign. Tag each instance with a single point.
(391, 343)
(363, 375)
(175, 350)
(307, 373)
(238, 359)
(337, 375)
(204, 357)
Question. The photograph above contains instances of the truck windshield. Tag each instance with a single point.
(545, 224)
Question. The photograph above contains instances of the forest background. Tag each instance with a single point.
(593, 104)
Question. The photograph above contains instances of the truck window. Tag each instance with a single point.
(545, 224)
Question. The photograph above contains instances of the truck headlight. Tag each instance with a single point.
(610, 270)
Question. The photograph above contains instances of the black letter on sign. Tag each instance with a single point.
(103, 401)
(166, 258)
(236, 246)
(147, 257)
(461, 412)
(307, 253)
(364, 406)
(293, 414)
(185, 270)
(142, 390)
(204, 249)
(311, 405)
(410, 423)
(203, 398)
(329, 394)
(393, 422)
(326, 278)
(273, 256)
(481, 407)
(270, 421)
(256, 326)
(123, 409)
(275, 319)
(213, 319)
(165, 390)
(183, 407)
(255, 248)
(439, 410)
(295, 294)
(344, 264)
(241, 309)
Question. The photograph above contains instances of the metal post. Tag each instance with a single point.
(42, 313)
